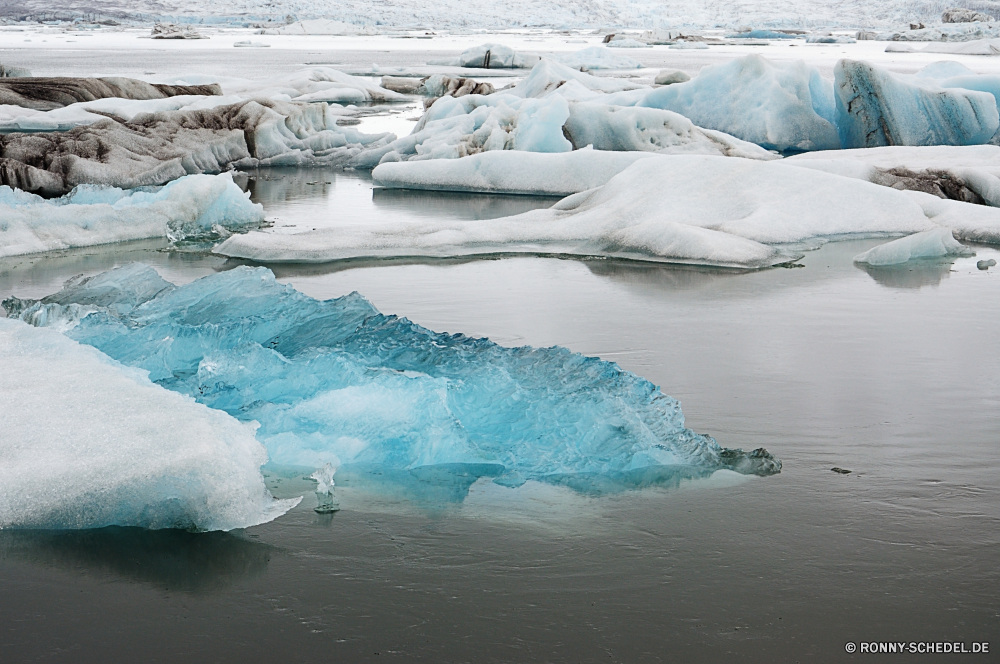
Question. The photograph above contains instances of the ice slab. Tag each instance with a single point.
(192, 206)
(935, 243)
(777, 105)
(489, 56)
(337, 382)
(156, 148)
(650, 130)
(509, 172)
(88, 443)
(946, 168)
(674, 208)
(875, 108)
(43, 94)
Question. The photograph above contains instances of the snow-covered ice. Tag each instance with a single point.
(935, 243)
(672, 208)
(509, 172)
(778, 105)
(196, 205)
(87, 443)
(597, 57)
(337, 382)
(490, 56)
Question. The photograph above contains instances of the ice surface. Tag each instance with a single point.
(627, 43)
(509, 172)
(673, 208)
(974, 47)
(651, 130)
(549, 76)
(308, 84)
(155, 148)
(778, 105)
(195, 205)
(671, 76)
(337, 382)
(87, 443)
(45, 94)
(596, 57)
(976, 167)
(935, 243)
(490, 56)
(875, 107)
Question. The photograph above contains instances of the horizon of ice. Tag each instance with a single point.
(777, 105)
(876, 108)
(338, 382)
(509, 172)
(87, 443)
(935, 243)
(189, 207)
(658, 209)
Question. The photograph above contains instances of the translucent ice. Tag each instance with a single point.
(337, 382)
(936, 243)
(778, 105)
(195, 205)
(87, 443)
(875, 107)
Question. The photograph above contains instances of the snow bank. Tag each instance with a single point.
(675, 208)
(88, 443)
(337, 382)
(778, 105)
(935, 243)
(875, 107)
(196, 205)
(509, 172)
(596, 57)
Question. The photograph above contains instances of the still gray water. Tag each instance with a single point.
(893, 374)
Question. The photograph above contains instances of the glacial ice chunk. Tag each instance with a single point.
(192, 206)
(88, 443)
(489, 56)
(336, 382)
(875, 108)
(509, 172)
(935, 243)
(777, 105)
(326, 500)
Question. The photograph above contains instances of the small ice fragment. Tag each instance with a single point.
(326, 501)
(986, 264)
(842, 471)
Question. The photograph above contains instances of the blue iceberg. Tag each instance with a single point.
(338, 382)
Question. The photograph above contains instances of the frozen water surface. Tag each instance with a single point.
(889, 372)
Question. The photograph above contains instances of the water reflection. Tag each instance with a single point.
(171, 560)
(447, 204)
(913, 274)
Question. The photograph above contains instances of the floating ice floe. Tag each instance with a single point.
(490, 56)
(935, 243)
(674, 208)
(45, 94)
(976, 47)
(192, 206)
(777, 105)
(156, 148)
(88, 443)
(627, 43)
(337, 382)
(509, 172)
(967, 173)
(830, 39)
(875, 107)
(597, 57)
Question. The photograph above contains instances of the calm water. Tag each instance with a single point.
(892, 373)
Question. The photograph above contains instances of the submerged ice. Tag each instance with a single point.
(338, 382)
(88, 443)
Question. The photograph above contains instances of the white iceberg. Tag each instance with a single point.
(88, 443)
(778, 105)
(489, 56)
(509, 172)
(935, 243)
(195, 205)
(875, 107)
